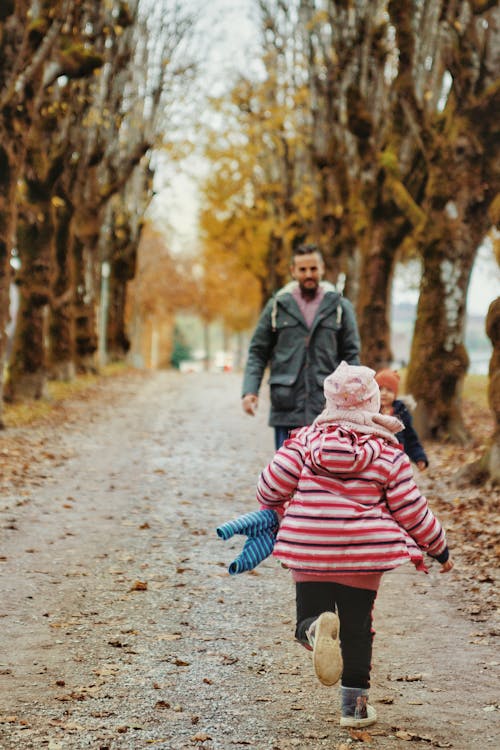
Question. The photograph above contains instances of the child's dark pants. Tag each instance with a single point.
(354, 608)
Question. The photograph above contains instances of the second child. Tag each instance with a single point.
(388, 382)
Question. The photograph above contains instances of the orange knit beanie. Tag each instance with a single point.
(389, 379)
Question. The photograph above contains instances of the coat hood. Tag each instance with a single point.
(332, 447)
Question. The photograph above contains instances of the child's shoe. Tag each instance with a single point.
(323, 636)
(356, 711)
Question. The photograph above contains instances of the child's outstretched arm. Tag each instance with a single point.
(411, 510)
(279, 480)
(413, 446)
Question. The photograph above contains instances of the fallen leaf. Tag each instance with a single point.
(200, 737)
(229, 659)
(139, 586)
(170, 637)
(116, 643)
(162, 704)
(106, 671)
(73, 696)
(403, 734)
(360, 736)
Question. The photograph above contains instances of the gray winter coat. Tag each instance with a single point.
(300, 358)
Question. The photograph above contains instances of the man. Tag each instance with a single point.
(303, 333)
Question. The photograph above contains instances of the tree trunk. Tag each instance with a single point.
(206, 342)
(458, 195)
(28, 366)
(438, 359)
(62, 321)
(123, 268)
(374, 297)
(85, 308)
(8, 215)
(493, 331)
(487, 467)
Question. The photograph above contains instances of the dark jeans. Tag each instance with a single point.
(281, 434)
(354, 608)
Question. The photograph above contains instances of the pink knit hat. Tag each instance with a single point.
(352, 387)
(353, 401)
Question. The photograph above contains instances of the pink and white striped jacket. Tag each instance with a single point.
(353, 505)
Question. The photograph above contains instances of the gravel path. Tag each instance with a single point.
(122, 629)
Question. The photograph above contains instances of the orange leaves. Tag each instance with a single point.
(139, 586)
(163, 283)
(360, 735)
(200, 737)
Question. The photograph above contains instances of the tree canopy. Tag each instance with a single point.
(370, 128)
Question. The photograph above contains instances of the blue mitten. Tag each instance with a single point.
(250, 524)
(261, 528)
(256, 549)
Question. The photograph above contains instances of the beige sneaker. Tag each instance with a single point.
(356, 711)
(361, 719)
(323, 636)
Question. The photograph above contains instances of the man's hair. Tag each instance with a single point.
(306, 249)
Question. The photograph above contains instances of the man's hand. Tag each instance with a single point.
(421, 465)
(250, 403)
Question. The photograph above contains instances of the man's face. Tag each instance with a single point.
(308, 270)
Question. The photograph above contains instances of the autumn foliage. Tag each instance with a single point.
(163, 285)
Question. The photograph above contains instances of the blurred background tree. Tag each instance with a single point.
(369, 128)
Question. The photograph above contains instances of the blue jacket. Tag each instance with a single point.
(408, 437)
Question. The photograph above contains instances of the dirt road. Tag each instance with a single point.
(121, 628)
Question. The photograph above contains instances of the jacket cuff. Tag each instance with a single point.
(279, 511)
(443, 557)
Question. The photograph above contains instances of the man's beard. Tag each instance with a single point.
(308, 292)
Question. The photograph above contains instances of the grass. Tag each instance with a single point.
(476, 390)
(29, 411)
